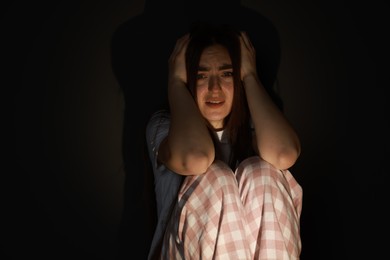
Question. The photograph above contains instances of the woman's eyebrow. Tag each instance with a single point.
(226, 66)
(223, 67)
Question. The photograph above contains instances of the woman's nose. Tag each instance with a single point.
(214, 83)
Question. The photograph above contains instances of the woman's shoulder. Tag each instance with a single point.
(159, 115)
(158, 121)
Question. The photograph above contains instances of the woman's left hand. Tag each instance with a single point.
(248, 56)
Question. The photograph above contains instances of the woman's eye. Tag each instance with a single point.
(201, 76)
(228, 73)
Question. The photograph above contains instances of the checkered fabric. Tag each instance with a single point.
(252, 213)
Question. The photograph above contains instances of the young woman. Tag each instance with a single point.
(220, 156)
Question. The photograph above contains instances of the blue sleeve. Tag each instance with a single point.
(156, 130)
(166, 182)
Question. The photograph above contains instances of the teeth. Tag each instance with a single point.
(214, 102)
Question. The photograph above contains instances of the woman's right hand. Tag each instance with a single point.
(177, 61)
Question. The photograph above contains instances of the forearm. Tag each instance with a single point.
(277, 141)
(191, 148)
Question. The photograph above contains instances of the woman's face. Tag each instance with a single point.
(214, 87)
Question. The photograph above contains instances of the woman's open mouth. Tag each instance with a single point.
(215, 103)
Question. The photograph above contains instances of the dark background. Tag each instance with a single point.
(67, 191)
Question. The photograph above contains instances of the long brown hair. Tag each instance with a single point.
(237, 123)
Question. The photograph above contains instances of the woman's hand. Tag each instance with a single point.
(176, 62)
(248, 56)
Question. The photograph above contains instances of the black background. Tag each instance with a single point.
(66, 195)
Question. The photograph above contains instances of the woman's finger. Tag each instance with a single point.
(180, 44)
(247, 43)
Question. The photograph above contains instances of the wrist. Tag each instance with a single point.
(249, 77)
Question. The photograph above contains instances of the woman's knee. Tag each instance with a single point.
(220, 173)
(255, 167)
(216, 177)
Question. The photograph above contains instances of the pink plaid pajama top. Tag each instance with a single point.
(250, 213)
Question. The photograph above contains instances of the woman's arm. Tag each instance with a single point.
(277, 141)
(188, 149)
